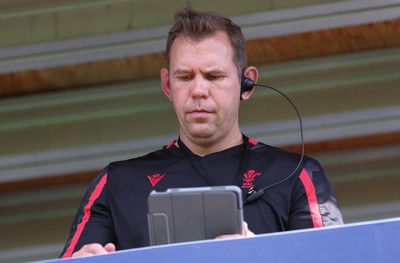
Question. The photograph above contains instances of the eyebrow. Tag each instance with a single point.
(215, 71)
(181, 71)
(212, 71)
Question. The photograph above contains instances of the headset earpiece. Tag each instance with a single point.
(246, 84)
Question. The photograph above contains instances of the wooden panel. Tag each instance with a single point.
(324, 42)
(76, 76)
(344, 144)
(261, 51)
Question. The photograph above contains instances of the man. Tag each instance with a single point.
(206, 61)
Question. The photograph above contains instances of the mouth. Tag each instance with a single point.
(199, 110)
(199, 113)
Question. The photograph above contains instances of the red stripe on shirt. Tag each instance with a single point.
(312, 199)
(254, 142)
(171, 143)
(86, 215)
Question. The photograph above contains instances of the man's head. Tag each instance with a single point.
(196, 26)
(203, 80)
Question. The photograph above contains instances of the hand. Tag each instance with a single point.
(94, 249)
(246, 233)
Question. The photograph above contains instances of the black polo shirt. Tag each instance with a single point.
(114, 208)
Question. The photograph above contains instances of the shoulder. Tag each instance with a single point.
(144, 164)
(278, 154)
(149, 157)
(284, 160)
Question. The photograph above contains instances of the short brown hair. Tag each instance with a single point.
(199, 25)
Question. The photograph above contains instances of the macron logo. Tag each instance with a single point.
(155, 178)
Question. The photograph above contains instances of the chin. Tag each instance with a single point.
(202, 136)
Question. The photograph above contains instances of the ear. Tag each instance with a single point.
(164, 75)
(251, 73)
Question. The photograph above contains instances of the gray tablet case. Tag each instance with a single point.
(189, 214)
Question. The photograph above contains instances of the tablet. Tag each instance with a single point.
(189, 214)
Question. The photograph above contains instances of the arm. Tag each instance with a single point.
(92, 223)
(314, 202)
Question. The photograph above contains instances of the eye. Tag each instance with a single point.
(214, 77)
(184, 77)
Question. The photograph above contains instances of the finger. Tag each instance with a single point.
(81, 254)
(90, 249)
(229, 236)
(110, 247)
(246, 231)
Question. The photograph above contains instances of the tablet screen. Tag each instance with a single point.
(189, 214)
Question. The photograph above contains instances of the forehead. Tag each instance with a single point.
(211, 50)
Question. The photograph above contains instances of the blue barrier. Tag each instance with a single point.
(373, 241)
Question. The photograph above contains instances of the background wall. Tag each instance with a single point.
(79, 88)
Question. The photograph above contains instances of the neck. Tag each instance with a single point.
(205, 147)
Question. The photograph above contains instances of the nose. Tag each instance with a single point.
(200, 87)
